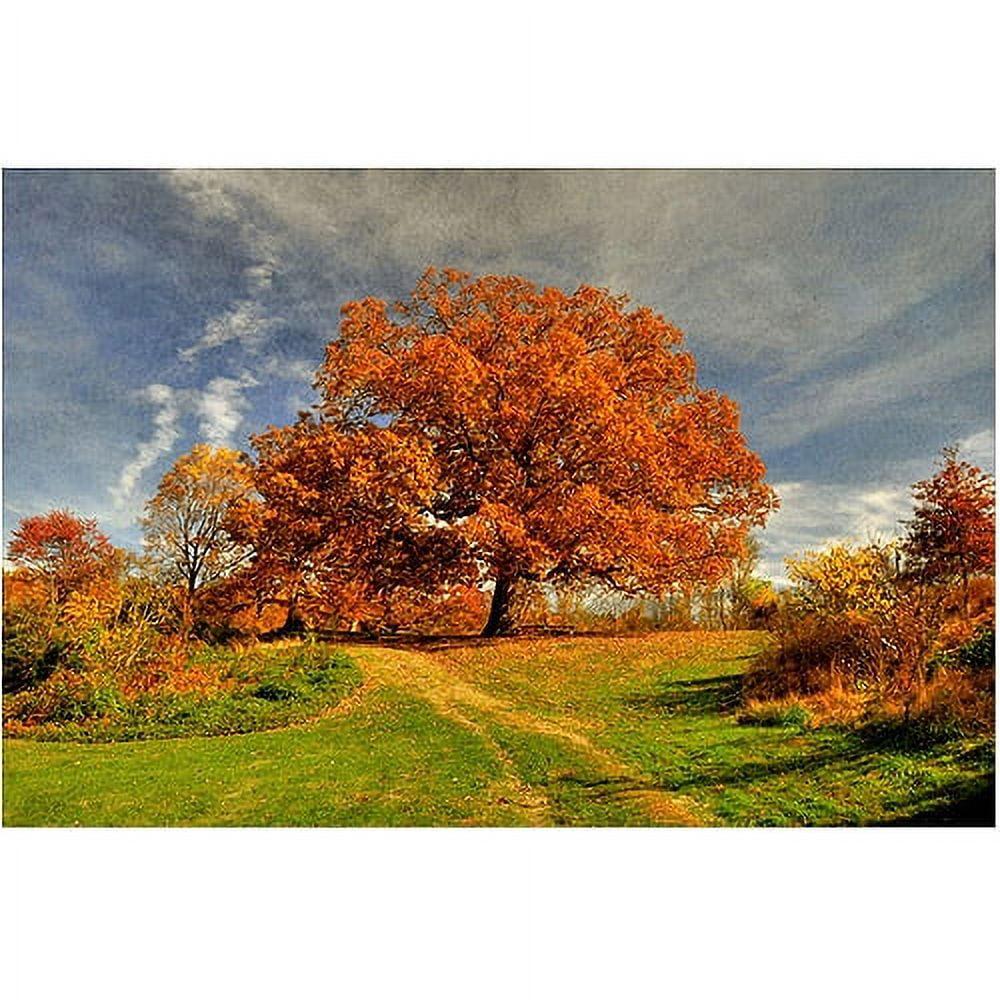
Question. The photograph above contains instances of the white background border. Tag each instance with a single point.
(484, 913)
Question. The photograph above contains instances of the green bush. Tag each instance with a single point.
(33, 647)
(276, 691)
(980, 652)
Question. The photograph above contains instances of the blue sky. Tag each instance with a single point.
(850, 313)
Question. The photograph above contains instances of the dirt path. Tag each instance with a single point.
(425, 676)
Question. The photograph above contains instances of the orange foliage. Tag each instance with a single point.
(458, 610)
(22, 588)
(232, 607)
(339, 524)
(185, 523)
(62, 551)
(489, 429)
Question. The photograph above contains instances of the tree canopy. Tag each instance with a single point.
(185, 523)
(486, 428)
(63, 551)
(951, 534)
(338, 525)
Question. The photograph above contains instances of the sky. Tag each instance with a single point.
(849, 313)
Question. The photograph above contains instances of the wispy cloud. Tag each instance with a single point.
(221, 407)
(245, 321)
(832, 400)
(165, 434)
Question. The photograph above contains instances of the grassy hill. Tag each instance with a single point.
(568, 731)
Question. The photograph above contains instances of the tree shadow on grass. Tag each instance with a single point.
(712, 774)
(967, 803)
(434, 642)
(528, 634)
(699, 696)
(970, 803)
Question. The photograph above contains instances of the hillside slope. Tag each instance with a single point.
(570, 731)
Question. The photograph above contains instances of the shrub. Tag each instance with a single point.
(276, 691)
(210, 692)
(32, 648)
(956, 703)
(862, 643)
(65, 696)
(854, 639)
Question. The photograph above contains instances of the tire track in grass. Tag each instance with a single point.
(422, 674)
(409, 673)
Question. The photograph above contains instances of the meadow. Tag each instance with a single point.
(571, 731)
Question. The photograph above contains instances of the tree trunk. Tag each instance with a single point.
(187, 614)
(499, 619)
(294, 623)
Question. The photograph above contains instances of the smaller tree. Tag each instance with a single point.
(63, 562)
(951, 535)
(64, 551)
(185, 525)
(339, 529)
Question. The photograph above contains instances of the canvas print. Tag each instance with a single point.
(498, 498)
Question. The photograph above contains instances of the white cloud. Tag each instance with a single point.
(978, 448)
(245, 321)
(165, 434)
(220, 408)
(259, 276)
(206, 192)
(814, 515)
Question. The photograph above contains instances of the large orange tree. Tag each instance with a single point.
(535, 435)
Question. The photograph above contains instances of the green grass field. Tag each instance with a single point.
(567, 732)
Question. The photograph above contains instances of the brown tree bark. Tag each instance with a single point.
(499, 621)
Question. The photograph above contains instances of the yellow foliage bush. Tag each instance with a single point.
(856, 640)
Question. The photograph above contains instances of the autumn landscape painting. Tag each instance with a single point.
(498, 498)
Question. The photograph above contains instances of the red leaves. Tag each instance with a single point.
(65, 551)
(951, 535)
